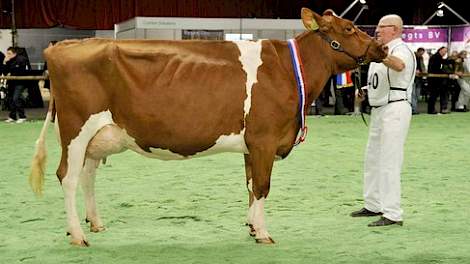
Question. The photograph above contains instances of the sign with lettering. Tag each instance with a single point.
(425, 35)
(417, 35)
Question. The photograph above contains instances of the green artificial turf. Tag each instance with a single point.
(193, 211)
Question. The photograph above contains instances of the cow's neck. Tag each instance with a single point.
(317, 63)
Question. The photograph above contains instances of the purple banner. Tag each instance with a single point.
(425, 35)
(460, 34)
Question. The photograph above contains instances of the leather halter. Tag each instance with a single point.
(335, 45)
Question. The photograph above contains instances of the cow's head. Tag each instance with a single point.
(350, 46)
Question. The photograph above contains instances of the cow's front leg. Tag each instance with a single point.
(87, 179)
(262, 158)
(249, 186)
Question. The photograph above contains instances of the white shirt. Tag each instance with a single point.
(381, 78)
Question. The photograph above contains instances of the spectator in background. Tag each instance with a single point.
(418, 83)
(463, 66)
(22, 53)
(15, 64)
(437, 86)
(3, 90)
(2, 57)
(451, 83)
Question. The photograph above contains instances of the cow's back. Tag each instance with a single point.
(177, 95)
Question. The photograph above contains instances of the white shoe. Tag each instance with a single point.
(10, 120)
(20, 120)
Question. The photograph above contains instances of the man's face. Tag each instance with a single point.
(443, 52)
(10, 54)
(385, 32)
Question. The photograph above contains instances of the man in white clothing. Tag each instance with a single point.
(390, 85)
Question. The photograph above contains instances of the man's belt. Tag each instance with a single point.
(389, 102)
(397, 89)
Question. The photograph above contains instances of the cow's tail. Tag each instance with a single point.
(38, 164)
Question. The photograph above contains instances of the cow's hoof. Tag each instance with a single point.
(79, 242)
(267, 241)
(97, 229)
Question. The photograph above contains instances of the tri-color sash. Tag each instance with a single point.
(299, 77)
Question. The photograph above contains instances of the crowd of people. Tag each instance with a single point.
(454, 87)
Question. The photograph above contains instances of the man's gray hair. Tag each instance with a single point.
(392, 20)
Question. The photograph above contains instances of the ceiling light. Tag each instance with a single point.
(440, 13)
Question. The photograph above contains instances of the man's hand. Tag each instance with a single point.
(8, 57)
(453, 76)
(361, 93)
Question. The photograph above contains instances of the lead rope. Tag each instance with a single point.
(299, 77)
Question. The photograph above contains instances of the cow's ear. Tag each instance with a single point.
(328, 20)
(311, 20)
(329, 12)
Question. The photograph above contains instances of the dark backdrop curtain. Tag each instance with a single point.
(103, 14)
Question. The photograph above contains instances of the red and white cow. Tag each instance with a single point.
(185, 99)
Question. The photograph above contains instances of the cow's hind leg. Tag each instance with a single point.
(87, 179)
(69, 186)
(249, 186)
(71, 165)
(261, 158)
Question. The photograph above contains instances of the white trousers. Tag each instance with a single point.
(464, 94)
(384, 158)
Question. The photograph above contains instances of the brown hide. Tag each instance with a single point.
(183, 95)
(190, 92)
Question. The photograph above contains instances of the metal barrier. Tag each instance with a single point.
(436, 75)
(39, 78)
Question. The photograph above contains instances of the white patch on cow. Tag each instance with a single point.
(250, 185)
(258, 219)
(75, 158)
(57, 130)
(250, 57)
(230, 143)
(78, 145)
